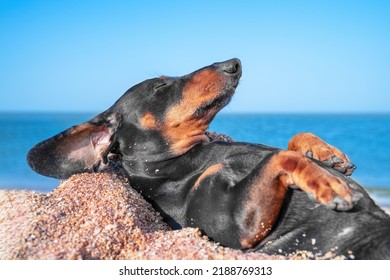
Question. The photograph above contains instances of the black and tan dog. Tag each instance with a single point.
(242, 195)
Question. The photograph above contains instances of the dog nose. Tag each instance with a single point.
(232, 66)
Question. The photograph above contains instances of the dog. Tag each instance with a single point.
(242, 195)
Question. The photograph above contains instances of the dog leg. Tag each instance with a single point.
(240, 211)
(266, 192)
(314, 147)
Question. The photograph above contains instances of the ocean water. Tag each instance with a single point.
(364, 138)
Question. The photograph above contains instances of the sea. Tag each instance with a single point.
(365, 138)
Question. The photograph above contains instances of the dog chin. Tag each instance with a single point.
(213, 107)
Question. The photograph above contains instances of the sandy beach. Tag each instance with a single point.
(98, 216)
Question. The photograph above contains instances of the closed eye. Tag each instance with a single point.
(159, 86)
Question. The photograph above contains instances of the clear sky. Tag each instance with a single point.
(298, 56)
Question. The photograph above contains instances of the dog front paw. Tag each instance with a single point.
(332, 192)
(314, 147)
(321, 184)
(325, 188)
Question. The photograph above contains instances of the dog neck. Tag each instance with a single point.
(152, 146)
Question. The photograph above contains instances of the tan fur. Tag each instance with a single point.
(211, 170)
(148, 121)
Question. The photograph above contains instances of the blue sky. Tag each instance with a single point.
(298, 56)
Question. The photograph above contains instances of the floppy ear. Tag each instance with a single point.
(81, 148)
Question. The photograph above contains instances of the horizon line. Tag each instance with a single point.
(221, 113)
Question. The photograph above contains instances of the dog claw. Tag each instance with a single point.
(337, 203)
(340, 204)
(309, 154)
(337, 160)
(331, 162)
(347, 169)
(350, 167)
(312, 197)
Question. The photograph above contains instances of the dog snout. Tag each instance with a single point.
(230, 67)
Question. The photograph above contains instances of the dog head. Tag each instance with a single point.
(161, 117)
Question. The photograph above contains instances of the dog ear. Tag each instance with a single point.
(81, 148)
